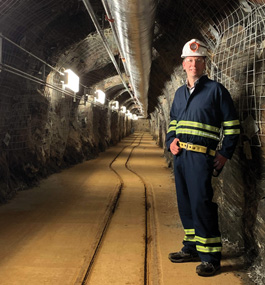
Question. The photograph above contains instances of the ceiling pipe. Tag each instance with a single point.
(134, 23)
(106, 45)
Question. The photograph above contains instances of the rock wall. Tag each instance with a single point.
(141, 125)
(46, 132)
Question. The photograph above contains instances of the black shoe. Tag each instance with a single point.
(207, 268)
(182, 256)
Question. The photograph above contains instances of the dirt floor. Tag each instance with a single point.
(52, 234)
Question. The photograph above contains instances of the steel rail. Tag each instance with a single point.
(113, 208)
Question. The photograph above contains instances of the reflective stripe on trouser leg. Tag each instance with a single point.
(208, 245)
(189, 235)
(196, 208)
(189, 240)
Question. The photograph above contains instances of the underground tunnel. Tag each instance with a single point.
(124, 60)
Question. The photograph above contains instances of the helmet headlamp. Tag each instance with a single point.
(194, 46)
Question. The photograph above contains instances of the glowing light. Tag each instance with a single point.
(101, 96)
(114, 105)
(134, 117)
(71, 81)
(123, 109)
(129, 114)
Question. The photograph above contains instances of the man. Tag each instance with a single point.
(199, 110)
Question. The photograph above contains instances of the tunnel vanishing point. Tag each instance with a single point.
(126, 57)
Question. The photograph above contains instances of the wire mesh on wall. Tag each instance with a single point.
(234, 32)
(238, 62)
(30, 101)
(24, 101)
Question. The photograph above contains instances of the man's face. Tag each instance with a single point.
(194, 66)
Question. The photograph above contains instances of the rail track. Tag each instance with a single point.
(106, 221)
(120, 166)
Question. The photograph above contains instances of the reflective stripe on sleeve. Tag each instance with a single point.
(231, 123)
(174, 122)
(172, 126)
(171, 129)
(232, 132)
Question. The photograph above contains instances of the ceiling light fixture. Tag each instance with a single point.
(101, 96)
(123, 109)
(134, 117)
(71, 80)
(114, 105)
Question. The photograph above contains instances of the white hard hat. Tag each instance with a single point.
(194, 47)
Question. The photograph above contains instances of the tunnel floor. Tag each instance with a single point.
(111, 220)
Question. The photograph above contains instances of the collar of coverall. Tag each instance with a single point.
(197, 81)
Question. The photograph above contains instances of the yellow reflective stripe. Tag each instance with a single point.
(199, 125)
(197, 133)
(189, 231)
(187, 238)
(172, 126)
(208, 249)
(174, 122)
(208, 240)
(232, 132)
(171, 129)
(231, 123)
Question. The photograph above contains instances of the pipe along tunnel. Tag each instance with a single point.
(66, 211)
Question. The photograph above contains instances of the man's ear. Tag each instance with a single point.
(183, 65)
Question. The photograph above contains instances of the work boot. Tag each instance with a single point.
(207, 268)
(181, 256)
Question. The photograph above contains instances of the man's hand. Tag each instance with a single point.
(174, 148)
(219, 161)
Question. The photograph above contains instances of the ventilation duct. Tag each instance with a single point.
(134, 23)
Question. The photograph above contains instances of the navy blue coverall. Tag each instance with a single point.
(197, 119)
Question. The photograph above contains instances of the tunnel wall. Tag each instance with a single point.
(141, 125)
(43, 133)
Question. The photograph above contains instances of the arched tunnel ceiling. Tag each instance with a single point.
(62, 34)
(120, 94)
